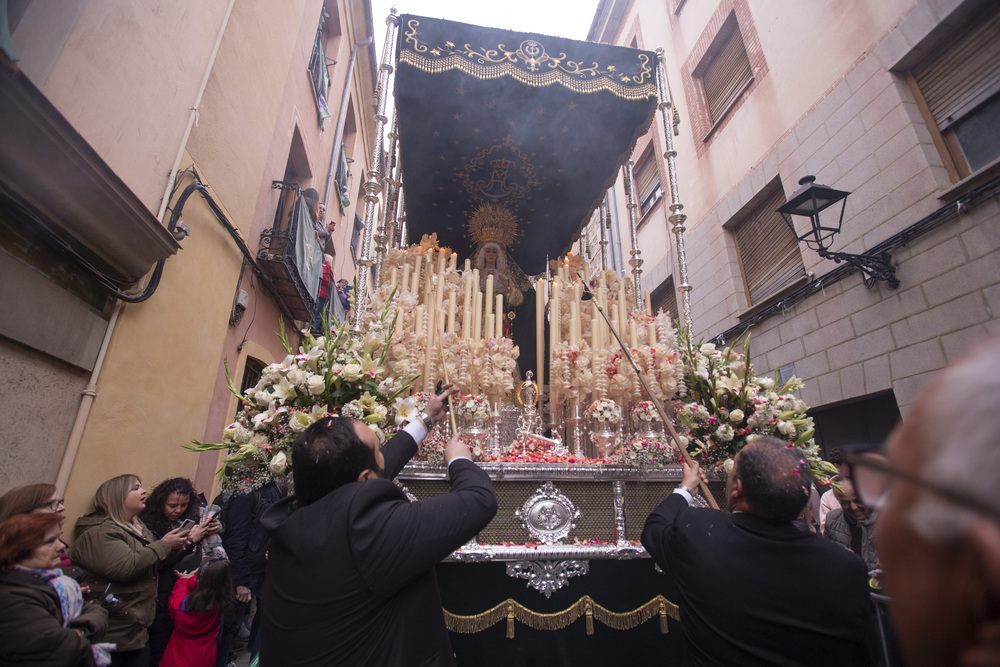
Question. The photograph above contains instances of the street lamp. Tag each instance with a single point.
(812, 199)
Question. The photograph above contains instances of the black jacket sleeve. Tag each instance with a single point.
(239, 524)
(397, 452)
(660, 526)
(395, 541)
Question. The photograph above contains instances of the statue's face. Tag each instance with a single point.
(490, 254)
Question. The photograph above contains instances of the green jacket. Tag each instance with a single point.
(124, 565)
(31, 625)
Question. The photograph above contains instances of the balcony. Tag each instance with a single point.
(290, 254)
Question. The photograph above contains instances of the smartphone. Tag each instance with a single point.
(187, 525)
(212, 512)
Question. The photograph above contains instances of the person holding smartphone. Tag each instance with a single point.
(174, 505)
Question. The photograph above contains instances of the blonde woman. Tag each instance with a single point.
(122, 558)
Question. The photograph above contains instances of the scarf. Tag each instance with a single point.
(70, 604)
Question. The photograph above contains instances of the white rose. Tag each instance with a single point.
(736, 416)
(278, 463)
(316, 385)
(296, 377)
(786, 428)
(352, 372)
(707, 348)
(727, 465)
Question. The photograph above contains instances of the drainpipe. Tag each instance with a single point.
(90, 392)
(338, 135)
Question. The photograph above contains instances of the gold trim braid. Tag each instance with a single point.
(512, 610)
(529, 64)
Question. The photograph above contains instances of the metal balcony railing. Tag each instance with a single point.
(290, 253)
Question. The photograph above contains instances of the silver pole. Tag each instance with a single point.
(388, 205)
(605, 223)
(669, 116)
(373, 186)
(636, 261)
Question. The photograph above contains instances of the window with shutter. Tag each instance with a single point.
(958, 85)
(725, 72)
(647, 183)
(768, 250)
(664, 298)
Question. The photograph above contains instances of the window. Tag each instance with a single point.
(252, 372)
(725, 70)
(959, 86)
(319, 70)
(359, 228)
(768, 250)
(647, 183)
(664, 298)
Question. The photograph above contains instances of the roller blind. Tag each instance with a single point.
(962, 74)
(727, 75)
(769, 252)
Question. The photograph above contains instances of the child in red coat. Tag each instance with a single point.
(196, 607)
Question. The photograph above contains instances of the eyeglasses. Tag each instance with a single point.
(872, 474)
(54, 504)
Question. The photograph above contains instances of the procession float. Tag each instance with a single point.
(577, 398)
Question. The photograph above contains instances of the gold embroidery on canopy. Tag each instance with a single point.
(529, 64)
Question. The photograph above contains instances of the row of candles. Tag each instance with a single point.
(482, 317)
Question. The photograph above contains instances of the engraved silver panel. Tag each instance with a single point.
(548, 515)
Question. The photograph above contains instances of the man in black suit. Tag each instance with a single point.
(350, 573)
(755, 589)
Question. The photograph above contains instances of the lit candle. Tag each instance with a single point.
(499, 310)
(539, 332)
(488, 297)
(453, 261)
(415, 287)
(440, 261)
(477, 315)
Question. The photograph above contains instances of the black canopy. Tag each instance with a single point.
(516, 133)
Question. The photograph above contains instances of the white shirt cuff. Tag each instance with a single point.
(682, 491)
(466, 458)
(416, 429)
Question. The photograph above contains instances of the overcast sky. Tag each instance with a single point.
(561, 18)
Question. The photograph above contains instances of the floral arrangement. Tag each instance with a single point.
(571, 369)
(335, 375)
(724, 406)
(474, 406)
(604, 410)
(645, 453)
(645, 411)
(495, 361)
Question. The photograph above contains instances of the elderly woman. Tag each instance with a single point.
(43, 618)
(122, 558)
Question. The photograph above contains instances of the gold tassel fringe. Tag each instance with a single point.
(585, 606)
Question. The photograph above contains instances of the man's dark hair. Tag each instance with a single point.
(328, 455)
(776, 478)
(836, 456)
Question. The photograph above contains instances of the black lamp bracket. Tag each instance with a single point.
(877, 266)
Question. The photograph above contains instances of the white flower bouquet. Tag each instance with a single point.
(604, 410)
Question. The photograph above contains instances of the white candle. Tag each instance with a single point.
(651, 333)
(467, 265)
(405, 284)
(477, 315)
(574, 322)
(440, 261)
(415, 286)
(648, 303)
(633, 338)
(488, 297)
(451, 311)
(453, 261)
(490, 326)
(499, 311)
(467, 305)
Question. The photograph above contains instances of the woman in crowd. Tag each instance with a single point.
(196, 607)
(171, 503)
(29, 499)
(43, 618)
(122, 558)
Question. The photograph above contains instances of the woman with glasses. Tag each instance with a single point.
(29, 499)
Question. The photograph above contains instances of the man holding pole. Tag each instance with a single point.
(748, 580)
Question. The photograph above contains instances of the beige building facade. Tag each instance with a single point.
(132, 123)
(894, 101)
